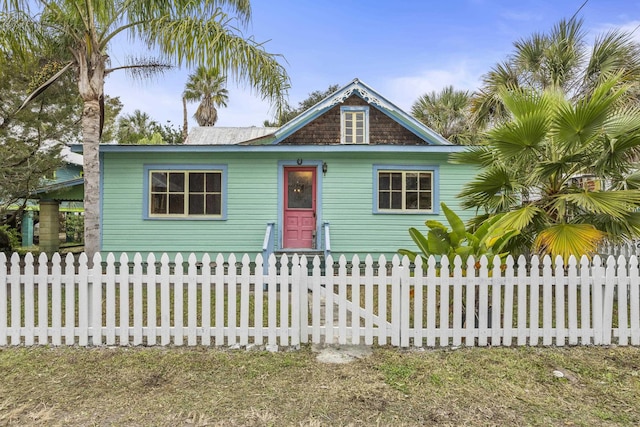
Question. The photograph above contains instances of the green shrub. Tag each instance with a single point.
(9, 239)
(489, 239)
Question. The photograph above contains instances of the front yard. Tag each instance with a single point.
(202, 386)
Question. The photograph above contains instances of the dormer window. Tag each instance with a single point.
(354, 125)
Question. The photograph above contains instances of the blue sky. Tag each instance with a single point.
(402, 49)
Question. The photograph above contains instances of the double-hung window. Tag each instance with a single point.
(176, 193)
(354, 125)
(404, 190)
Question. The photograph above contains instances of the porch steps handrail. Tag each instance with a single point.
(268, 242)
(326, 233)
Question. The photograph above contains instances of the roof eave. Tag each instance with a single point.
(276, 148)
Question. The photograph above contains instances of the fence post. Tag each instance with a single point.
(405, 307)
(621, 296)
(83, 301)
(596, 305)
(110, 295)
(3, 299)
(89, 301)
(283, 283)
(560, 301)
(396, 274)
(607, 301)
(304, 299)
(342, 298)
(272, 338)
(634, 300)
(95, 300)
(295, 299)
(137, 299)
(245, 289)
(355, 298)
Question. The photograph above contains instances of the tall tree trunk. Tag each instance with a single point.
(91, 68)
(185, 122)
(91, 165)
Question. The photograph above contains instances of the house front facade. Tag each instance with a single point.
(350, 175)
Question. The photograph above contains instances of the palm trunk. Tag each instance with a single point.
(91, 164)
(91, 68)
(185, 122)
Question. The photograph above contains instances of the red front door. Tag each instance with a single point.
(299, 208)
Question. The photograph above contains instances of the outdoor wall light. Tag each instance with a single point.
(324, 168)
(299, 162)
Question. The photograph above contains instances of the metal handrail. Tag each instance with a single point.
(327, 239)
(267, 245)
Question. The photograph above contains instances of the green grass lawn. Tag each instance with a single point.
(202, 386)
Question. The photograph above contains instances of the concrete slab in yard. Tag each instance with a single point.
(341, 353)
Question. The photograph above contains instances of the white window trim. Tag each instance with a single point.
(149, 169)
(432, 170)
(354, 109)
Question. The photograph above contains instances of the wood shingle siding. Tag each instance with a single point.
(325, 130)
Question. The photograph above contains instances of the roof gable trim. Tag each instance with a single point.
(360, 91)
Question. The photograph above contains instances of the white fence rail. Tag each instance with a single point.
(231, 302)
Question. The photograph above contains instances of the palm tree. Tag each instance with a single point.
(560, 59)
(185, 120)
(533, 167)
(135, 126)
(447, 113)
(185, 32)
(289, 113)
(206, 86)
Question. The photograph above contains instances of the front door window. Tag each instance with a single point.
(300, 189)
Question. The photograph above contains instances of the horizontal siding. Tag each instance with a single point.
(249, 208)
(347, 203)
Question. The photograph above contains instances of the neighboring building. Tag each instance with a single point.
(61, 192)
(354, 170)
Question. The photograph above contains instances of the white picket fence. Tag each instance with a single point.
(226, 302)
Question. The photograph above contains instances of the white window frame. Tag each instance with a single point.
(150, 170)
(433, 172)
(349, 112)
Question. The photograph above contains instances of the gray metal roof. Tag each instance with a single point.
(212, 135)
(71, 157)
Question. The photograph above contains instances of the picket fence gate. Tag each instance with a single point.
(231, 302)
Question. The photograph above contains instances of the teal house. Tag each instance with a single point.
(349, 175)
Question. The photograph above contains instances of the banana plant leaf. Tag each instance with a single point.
(439, 242)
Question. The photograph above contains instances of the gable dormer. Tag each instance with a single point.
(355, 115)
